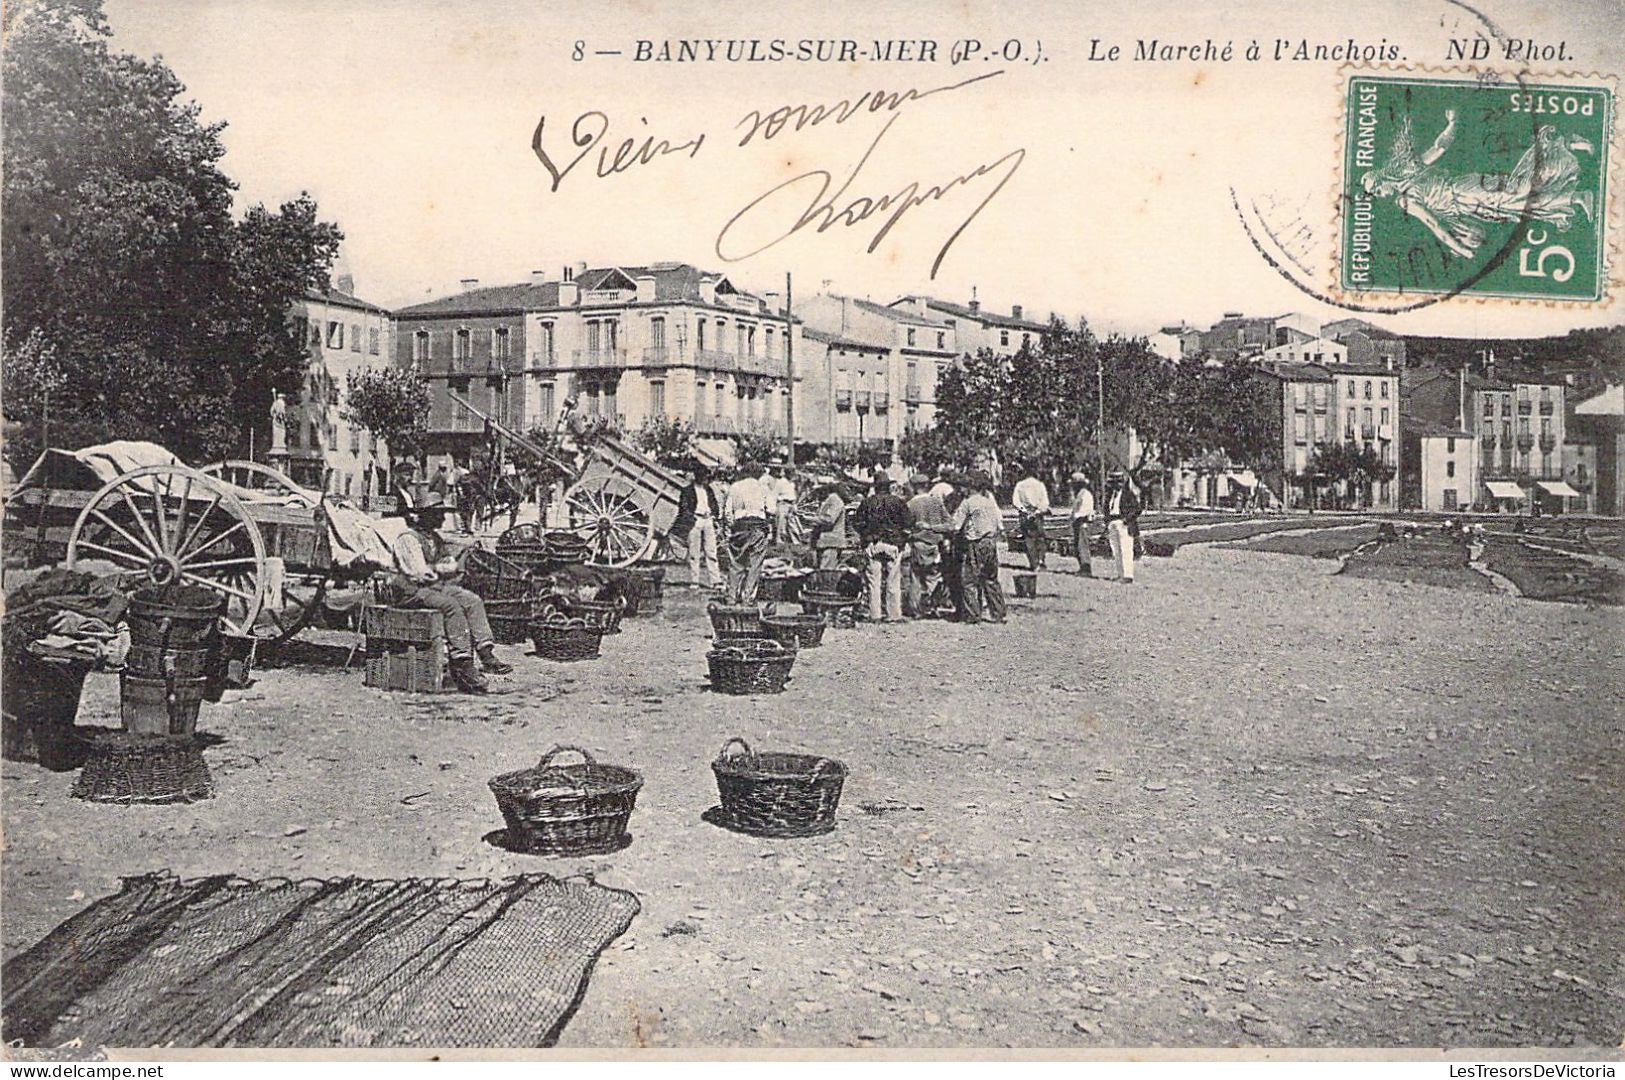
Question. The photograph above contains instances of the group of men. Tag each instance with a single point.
(927, 546)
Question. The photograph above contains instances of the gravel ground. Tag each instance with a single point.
(1243, 802)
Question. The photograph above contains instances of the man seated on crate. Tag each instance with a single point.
(422, 582)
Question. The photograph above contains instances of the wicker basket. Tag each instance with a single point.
(494, 578)
(737, 619)
(750, 666)
(41, 701)
(827, 581)
(510, 619)
(565, 639)
(602, 615)
(128, 768)
(801, 631)
(567, 809)
(775, 794)
(837, 610)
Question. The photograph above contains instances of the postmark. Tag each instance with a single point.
(1478, 187)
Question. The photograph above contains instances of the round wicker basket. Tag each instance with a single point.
(802, 631)
(565, 639)
(567, 810)
(777, 794)
(735, 618)
(750, 666)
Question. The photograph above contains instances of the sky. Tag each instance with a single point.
(411, 123)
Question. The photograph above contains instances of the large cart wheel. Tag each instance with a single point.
(172, 524)
(608, 516)
(257, 477)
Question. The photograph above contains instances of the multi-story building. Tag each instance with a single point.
(977, 328)
(1518, 424)
(883, 361)
(1602, 416)
(319, 448)
(1438, 466)
(1248, 335)
(1367, 343)
(628, 343)
(1315, 350)
(1334, 403)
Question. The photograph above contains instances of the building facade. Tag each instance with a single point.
(880, 367)
(1367, 343)
(977, 328)
(1439, 469)
(628, 343)
(319, 448)
(1517, 422)
(1602, 416)
(1315, 350)
(1323, 404)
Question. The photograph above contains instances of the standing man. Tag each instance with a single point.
(440, 483)
(953, 564)
(977, 523)
(784, 499)
(696, 523)
(882, 522)
(831, 537)
(1032, 506)
(1123, 522)
(928, 530)
(750, 508)
(1083, 509)
(423, 568)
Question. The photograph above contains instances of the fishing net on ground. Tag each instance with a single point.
(222, 962)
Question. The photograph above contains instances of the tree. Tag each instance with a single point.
(667, 441)
(391, 403)
(120, 249)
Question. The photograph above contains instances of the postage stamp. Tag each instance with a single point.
(1476, 187)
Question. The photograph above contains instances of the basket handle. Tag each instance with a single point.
(723, 753)
(547, 758)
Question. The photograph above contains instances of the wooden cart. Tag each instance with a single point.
(168, 522)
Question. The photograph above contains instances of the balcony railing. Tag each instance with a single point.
(544, 360)
(1546, 408)
(882, 400)
(911, 393)
(862, 397)
(1548, 443)
(599, 358)
(843, 399)
(758, 365)
(1524, 407)
(1368, 432)
(1487, 440)
(1348, 434)
(1525, 442)
(716, 360)
(658, 356)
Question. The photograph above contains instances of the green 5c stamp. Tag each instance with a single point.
(1476, 188)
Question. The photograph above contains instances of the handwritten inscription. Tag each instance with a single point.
(812, 205)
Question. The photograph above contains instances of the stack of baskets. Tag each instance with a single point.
(559, 637)
(797, 631)
(508, 589)
(731, 622)
(566, 548)
(175, 644)
(750, 666)
(836, 609)
(523, 546)
(777, 794)
(569, 810)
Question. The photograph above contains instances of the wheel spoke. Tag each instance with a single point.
(218, 586)
(141, 522)
(243, 561)
(199, 525)
(116, 527)
(180, 522)
(115, 552)
(160, 511)
(213, 542)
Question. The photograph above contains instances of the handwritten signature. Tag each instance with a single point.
(826, 211)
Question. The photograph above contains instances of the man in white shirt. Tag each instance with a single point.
(750, 508)
(1031, 499)
(696, 524)
(784, 498)
(1083, 510)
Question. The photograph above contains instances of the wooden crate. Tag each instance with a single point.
(406, 649)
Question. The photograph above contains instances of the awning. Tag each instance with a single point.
(1504, 489)
(1557, 487)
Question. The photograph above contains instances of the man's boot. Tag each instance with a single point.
(467, 676)
(489, 661)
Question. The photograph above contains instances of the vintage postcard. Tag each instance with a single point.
(869, 529)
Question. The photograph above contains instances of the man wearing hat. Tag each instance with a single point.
(977, 523)
(749, 510)
(928, 530)
(783, 489)
(423, 565)
(883, 527)
(1083, 509)
(1122, 522)
(1031, 500)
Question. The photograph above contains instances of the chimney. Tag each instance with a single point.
(569, 290)
(846, 313)
(538, 277)
(775, 303)
(646, 288)
(468, 283)
(581, 268)
(345, 284)
(1015, 311)
(975, 304)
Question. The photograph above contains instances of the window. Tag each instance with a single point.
(1004, 337)
(1365, 416)
(1300, 429)
(373, 336)
(721, 398)
(1385, 388)
(699, 338)
(1450, 468)
(767, 344)
(1351, 388)
(1025, 338)
(462, 344)
(547, 399)
(657, 332)
(1523, 425)
(750, 342)
(1385, 418)
(499, 343)
(609, 399)
(1351, 418)
(1489, 405)
(739, 340)
(355, 440)
(595, 336)
(657, 399)
(942, 339)
(312, 439)
(911, 335)
(1450, 446)
(1368, 389)
(546, 345)
(335, 335)
(1545, 427)
(355, 338)
(315, 331)
(420, 345)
